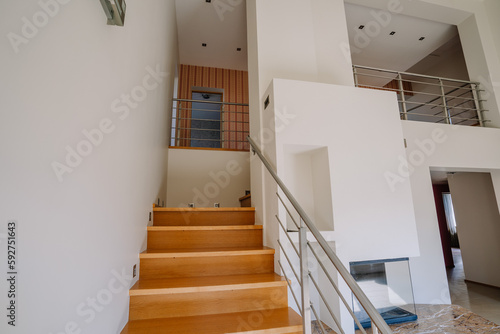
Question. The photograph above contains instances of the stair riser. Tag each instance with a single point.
(205, 303)
(206, 266)
(204, 239)
(214, 218)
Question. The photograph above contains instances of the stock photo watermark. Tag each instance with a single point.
(362, 37)
(121, 107)
(31, 27)
(88, 310)
(267, 308)
(417, 157)
(12, 273)
(222, 7)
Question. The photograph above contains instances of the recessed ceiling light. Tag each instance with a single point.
(421, 38)
(392, 33)
(361, 27)
(204, 45)
(209, 1)
(238, 49)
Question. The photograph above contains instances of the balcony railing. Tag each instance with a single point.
(209, 124)
(427, 98)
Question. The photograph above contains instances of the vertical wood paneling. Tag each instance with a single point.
(235, 86)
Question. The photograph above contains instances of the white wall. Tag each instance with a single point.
(75, 235)
(478, 225)
(365, 210)
(205, 177)
(292, 40)
(459, 148)
(370, 220)
(492, 10)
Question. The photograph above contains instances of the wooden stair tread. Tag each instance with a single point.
(204, 252)
(204, 228)
(211, 283)
(156, 209)
(276, 321)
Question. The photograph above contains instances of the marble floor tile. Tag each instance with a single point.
(483, 300)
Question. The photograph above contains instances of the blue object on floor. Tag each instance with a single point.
(391, 315)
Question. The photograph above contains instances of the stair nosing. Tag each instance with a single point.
(211, 288)
(235, 209)
(204, 228)
(162, 254)
(291, 327)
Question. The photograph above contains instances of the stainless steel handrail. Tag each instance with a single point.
(370, 309)
(446, 90)
(413, 74)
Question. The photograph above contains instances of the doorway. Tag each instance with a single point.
(206, 120)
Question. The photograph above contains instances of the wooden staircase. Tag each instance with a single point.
(206, 271)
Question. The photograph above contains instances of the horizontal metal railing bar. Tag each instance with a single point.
(375, 76)
(335, 319)
(439, 116)
(406, 80)
(323, 330)
(288, 211)
(213, 102)
(415, 92)
(461, 108)
(291, 290)
(288, 236)
(336, 288)
(217, 140)
(413, 74)
(290, 263)
(214, 111)
(426, 83)
(213, 130)
(344, 273)
(208, 120)
(423, 104)
(460, 113)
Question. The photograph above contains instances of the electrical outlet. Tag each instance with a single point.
(134, 271)
(216, 205)
(191, 205)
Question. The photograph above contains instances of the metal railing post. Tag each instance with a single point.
(445, 106)
(304, 277)
(222, 119)
(355, 70)
(476, 92)
(403, 98)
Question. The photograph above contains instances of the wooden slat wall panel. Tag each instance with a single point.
(235, 86)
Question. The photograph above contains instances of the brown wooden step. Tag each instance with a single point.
(275, 321)
(172, 263)
(172, 237)
(183, 297)
(203, 216)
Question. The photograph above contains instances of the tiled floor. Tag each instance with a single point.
(480, 299)
(483, 301)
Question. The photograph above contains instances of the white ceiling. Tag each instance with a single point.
(374, 46)
(221, 25)
(223, 29)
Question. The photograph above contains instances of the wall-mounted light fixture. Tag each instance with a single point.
(115, 11)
